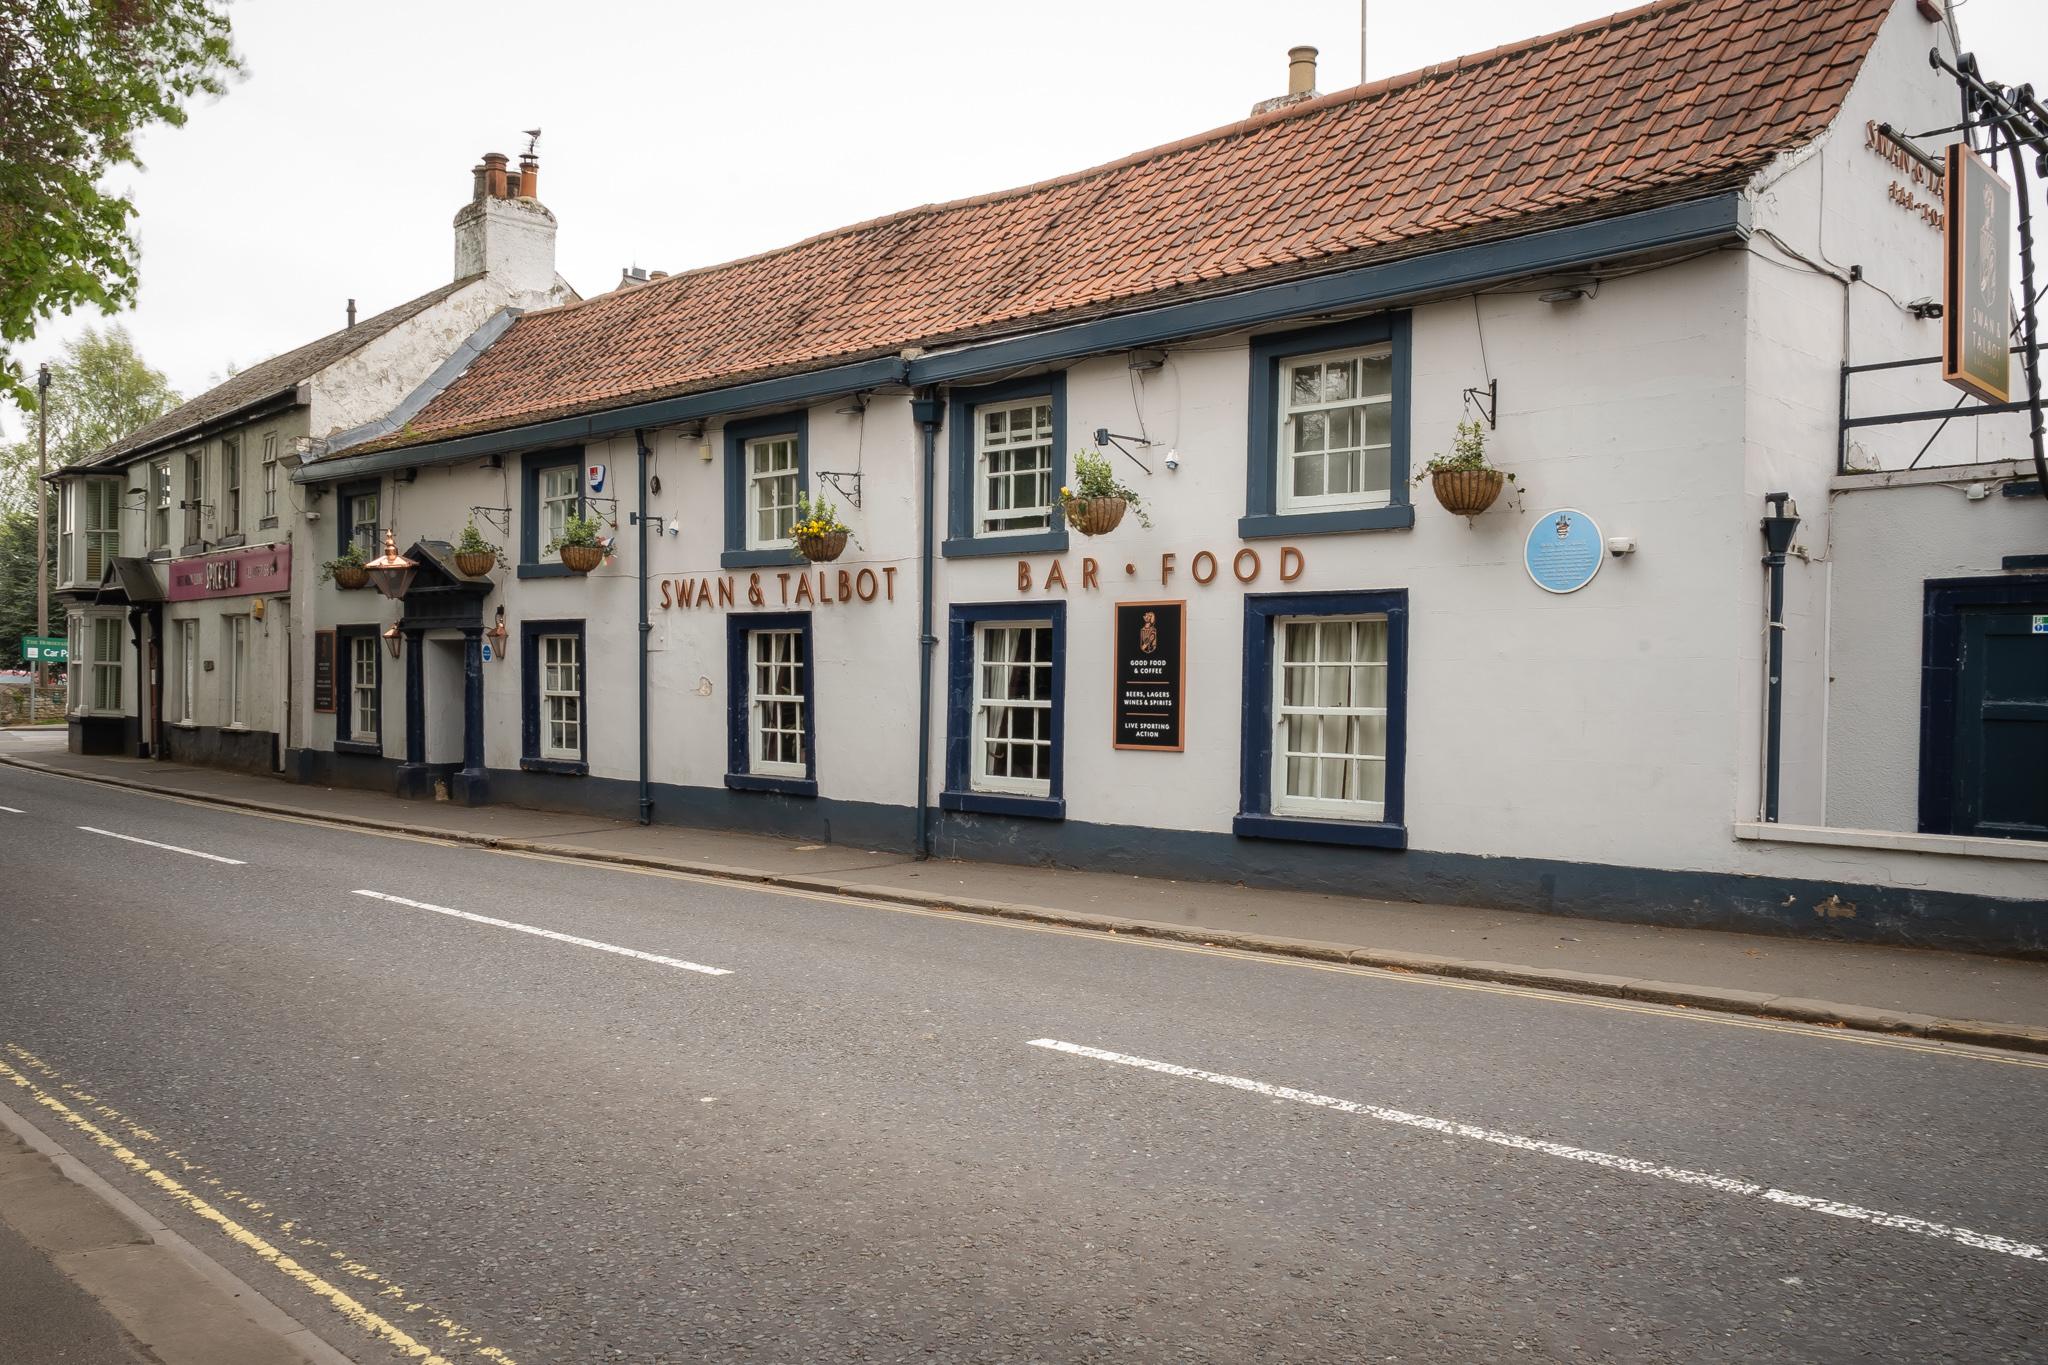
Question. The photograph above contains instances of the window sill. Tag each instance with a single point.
(992, 803)
(561, 767)
(990, 547)
(1399, 516)
(367, 749)
(1891, 841)
(760, 559)
(1303, 830)
(554, 570)
(196, 548)
(786, 786)
(233, 542)
(267, 524)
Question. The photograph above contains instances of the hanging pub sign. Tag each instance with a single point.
(1150, 653)
(323, 672)
(1976, 308)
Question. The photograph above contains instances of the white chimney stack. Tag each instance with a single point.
(504, 232)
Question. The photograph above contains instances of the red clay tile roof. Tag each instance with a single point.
(1654, 100)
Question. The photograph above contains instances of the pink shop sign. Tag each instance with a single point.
(232, 573)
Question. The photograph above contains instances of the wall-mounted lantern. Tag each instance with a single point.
(391, 573)
(500, 638)
(394, 639)
(256, 609)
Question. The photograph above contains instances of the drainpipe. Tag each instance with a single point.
(646, 628)
(925, 409)
(1778, 528)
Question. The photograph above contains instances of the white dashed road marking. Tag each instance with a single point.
(550, 933)
(1722, 1184)
(173, 848)
(13, 810)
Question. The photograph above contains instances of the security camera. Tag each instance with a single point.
(1173, 459)
(1621, 545)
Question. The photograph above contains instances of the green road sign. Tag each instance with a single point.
(45, 649)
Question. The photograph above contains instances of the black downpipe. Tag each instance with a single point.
(1778, 528)
(646, 629)
(925, 408)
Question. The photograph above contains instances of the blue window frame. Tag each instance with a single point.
(751, 494)
(359, 675)
(994, 473)
(1325, 494)
(771, 715)
(1006, 709)
(1325, 695)
(543, 474)
(554, 698)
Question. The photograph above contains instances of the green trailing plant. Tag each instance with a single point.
(1093, 477)
(351, 558)
(1468, 452)
(578, 531)
(472, 542)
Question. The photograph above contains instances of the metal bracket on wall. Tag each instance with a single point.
(612, 519)
(839, 479)
(1487, 401)
(1105, 437)
(500, 517)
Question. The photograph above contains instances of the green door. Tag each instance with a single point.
(2001, 740)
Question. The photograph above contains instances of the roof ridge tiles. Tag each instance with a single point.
(1357, 94)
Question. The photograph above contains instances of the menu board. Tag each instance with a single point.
(1150, 659)
(323, 671)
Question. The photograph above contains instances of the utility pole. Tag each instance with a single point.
(1362, 78)
(42, 523)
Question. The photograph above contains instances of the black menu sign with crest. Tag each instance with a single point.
(1150, 657)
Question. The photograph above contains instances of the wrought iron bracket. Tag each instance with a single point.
(1487, 401)
(1105, 437)
(500, 517)
(839, 479)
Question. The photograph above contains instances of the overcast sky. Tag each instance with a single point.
(682, 134)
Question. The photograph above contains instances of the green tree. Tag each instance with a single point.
(79, 80)
(100, 391)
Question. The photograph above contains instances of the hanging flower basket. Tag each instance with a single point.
(349, 577)
(1096, 516)
(476, 563)
(1466, 492)
(582, 558)
(823, 548)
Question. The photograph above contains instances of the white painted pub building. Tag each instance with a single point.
(1635, 263)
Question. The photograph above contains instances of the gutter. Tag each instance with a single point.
(1691, 223)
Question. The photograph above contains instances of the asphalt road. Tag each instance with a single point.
(847, 1146)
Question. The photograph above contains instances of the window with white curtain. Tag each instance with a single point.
(775, 715)
(561, 697)
(102, 526)
(1011, 745)
(1330, 716)
(160, 505)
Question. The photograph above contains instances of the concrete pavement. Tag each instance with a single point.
(1952, 996)
(496, 1107)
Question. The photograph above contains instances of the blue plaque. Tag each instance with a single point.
(1563, 551)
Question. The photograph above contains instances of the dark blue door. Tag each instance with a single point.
(2001, 736)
